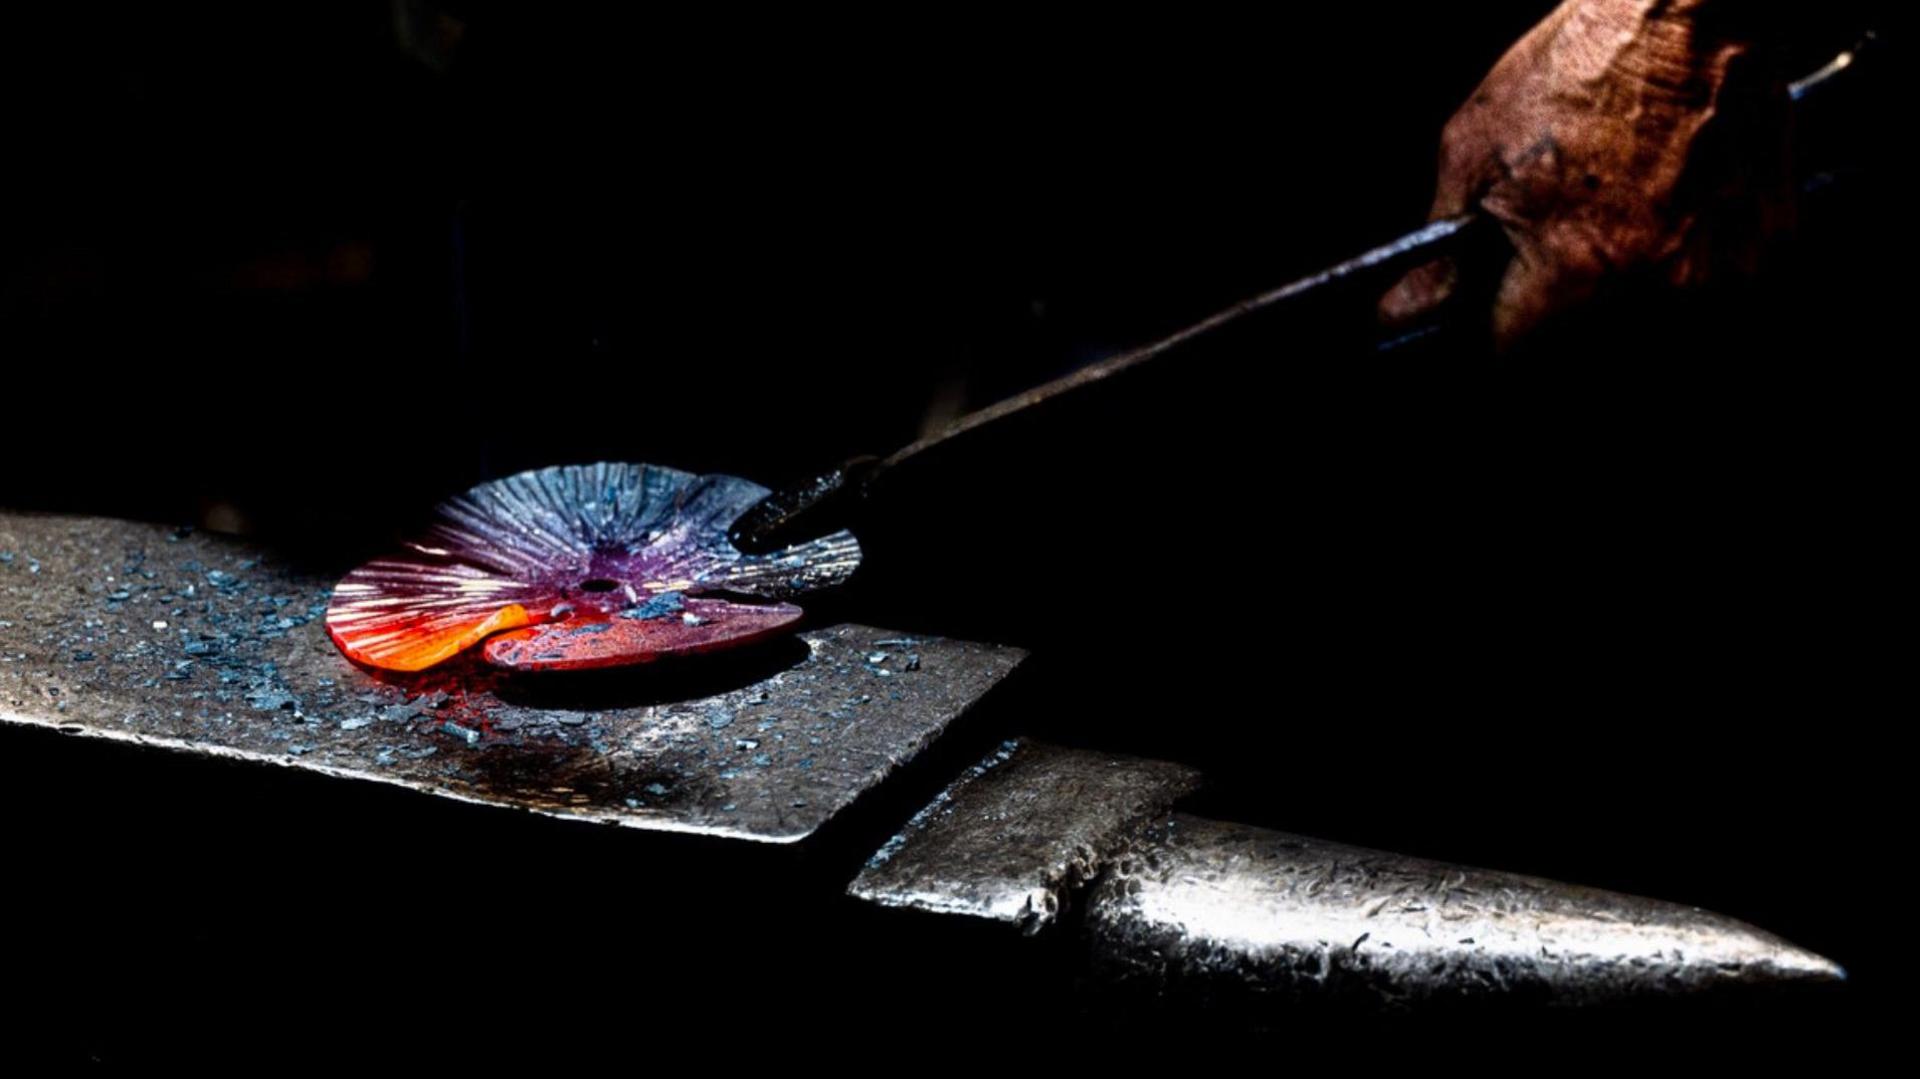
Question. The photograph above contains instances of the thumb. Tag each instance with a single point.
(1550, 274)
(1421, 293)
(1464, 176)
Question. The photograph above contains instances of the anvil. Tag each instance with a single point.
(190, 642)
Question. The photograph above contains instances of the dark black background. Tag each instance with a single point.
(1614, 612)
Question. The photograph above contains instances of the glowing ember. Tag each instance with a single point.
(588, 566)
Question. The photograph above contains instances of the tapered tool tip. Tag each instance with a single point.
(1296, 915)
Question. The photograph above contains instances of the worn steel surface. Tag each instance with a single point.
(200, 643)
(1223, 907)
(1013, 839)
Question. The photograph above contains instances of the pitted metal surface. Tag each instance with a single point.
(1224, 907)
(201, 643)
(1014, 838)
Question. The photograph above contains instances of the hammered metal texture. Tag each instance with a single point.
(1019, 834)
(1225, 908)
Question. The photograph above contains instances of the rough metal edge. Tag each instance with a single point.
(1013, 839)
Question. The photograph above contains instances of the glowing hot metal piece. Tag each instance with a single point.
(580, 566)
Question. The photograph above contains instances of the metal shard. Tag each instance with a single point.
(1227, 907)
(197, 643)
(1013, 839)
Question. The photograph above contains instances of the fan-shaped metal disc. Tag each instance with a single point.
(580, 566)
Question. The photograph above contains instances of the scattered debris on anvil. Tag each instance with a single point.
(223, 654)
(192, 640)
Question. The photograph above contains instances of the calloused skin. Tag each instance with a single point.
(1624, 146)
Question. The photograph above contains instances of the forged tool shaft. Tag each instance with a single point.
(818, 504)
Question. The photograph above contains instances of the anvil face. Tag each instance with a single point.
(203, 644)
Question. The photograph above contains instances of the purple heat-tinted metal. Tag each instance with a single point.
(579, 566)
